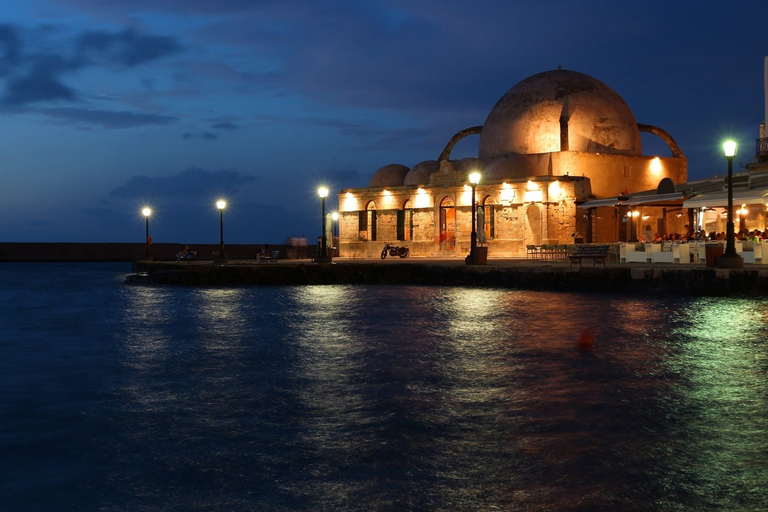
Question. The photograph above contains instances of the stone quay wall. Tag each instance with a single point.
(623, 280)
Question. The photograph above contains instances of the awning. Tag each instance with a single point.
(596, 203)
(720, 199)
(672, 199)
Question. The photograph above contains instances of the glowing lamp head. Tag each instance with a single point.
(322, 192)
(729, 148)
(221, 204)
(147, 212)
(474, 178)
(335, 216)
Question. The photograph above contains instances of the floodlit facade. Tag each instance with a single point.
(554, 141)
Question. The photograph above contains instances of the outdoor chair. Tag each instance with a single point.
(748, 251)
(532, 251)
(635, 253)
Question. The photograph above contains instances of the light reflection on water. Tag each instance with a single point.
(377, 398)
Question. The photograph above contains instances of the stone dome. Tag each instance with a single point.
(465, 166)
(421, 172)
(391, 175)
(509, 166)
(527, 118)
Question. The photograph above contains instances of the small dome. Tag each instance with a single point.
(465, 166)
(421, 172)
(509, 166)
(527, 119)
(391, 175)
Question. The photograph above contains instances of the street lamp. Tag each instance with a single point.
(147, 212)
(730, 259)
(323, 257)
(334, 230)
(221, 204)
(474, 179)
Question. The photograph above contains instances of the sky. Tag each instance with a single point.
(107, 107)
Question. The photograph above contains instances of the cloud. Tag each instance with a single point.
(226, 126)
(126, 48)
(192, 183)
(10, 53)
(35, 66)
(106, 119)
(203, 135)
(40, 84)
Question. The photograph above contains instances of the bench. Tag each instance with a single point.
(594, 252)
(267, 257)
(187, 256)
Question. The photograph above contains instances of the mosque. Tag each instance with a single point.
(556, 155)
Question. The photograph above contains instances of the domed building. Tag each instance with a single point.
(553, 142)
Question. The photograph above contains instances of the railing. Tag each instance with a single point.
(762, 148)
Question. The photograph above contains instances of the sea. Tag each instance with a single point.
(118, 397)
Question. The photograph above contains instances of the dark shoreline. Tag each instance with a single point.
(677, 280)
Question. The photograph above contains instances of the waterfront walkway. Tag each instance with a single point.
(654, 278)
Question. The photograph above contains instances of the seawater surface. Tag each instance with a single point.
(116, 397)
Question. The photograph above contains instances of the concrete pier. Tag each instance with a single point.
(659, 279)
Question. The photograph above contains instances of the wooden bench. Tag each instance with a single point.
(594, 252)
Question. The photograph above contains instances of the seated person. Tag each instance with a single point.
(264, 253)
(186, 254)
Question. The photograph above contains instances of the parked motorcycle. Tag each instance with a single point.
(394, 250)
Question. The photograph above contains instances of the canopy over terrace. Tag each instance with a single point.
(750, 188)
(720, 199)
(643, 199)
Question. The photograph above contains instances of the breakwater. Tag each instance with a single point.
(84, 252)
(699, 281)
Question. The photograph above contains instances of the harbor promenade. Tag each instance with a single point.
(645, 278)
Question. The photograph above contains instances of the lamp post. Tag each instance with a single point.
(730, 259)
(334, 230)
(474, 179)
(221, 204)
(147, 212)
(323, 257)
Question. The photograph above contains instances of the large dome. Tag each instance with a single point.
(527, 119)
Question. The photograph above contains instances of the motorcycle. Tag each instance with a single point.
(394, 250)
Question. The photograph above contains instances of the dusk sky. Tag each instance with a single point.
(108, 106)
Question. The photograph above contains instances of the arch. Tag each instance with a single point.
(367, 222)
(663, 135)
(489, 220)
(405, 221)
(446, 154)
(666, 186)
(533, 225)
(447, 230)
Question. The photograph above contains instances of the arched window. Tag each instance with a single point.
(533, 225)
(367, 222)
(447, 224)
(489, 218)
(405, 222)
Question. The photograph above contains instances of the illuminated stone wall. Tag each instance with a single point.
(540, 210)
